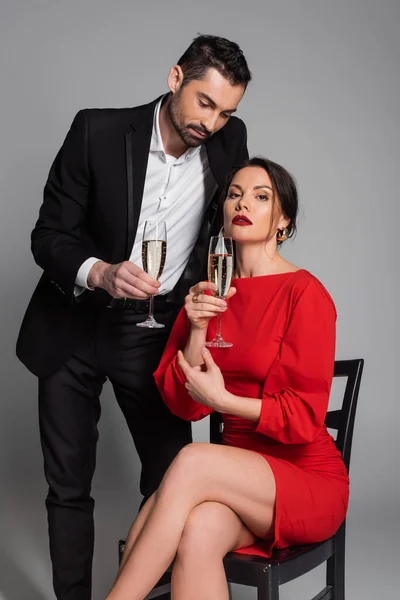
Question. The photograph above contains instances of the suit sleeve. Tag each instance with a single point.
(170, 379)
(60, 242)
(296, 391)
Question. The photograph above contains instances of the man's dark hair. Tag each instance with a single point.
(209, 51)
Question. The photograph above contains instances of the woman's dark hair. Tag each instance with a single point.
(283, 185)
(209, 51)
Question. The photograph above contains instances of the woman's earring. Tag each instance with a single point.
(222, 232)
(282, 234)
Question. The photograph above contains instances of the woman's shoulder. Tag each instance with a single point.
(308, 287)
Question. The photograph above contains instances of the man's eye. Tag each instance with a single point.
(203, 104)
(226, 115)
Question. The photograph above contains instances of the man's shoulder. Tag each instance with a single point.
(101, 121)
(114, 116)
(112, 121)
(110, 115)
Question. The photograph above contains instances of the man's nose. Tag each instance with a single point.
(210, 123)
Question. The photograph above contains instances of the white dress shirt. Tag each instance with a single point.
(176, 191)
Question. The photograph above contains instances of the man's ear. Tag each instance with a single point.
(175, 79)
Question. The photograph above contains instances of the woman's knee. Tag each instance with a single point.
(187, 467)
(209, 531)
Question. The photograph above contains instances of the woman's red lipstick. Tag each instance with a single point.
(242, 221)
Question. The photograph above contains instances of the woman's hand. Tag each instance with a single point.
(201, 307)
(204, 386)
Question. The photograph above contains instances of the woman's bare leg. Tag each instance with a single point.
(211, 531)
(136, 529)
(239, 479)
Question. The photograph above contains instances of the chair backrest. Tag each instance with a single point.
(341, 420)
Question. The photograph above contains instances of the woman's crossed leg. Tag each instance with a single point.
(212, 499)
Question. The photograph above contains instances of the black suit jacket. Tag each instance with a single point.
(91, 207)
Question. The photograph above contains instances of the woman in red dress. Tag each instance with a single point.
(278, 478)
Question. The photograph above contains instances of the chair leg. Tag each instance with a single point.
(268, 589)
(335, 567)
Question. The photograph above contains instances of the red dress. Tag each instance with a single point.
(283, 332)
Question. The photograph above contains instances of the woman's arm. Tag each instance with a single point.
(188, 335)
(170, 379)
(199, 313)
(194, 346)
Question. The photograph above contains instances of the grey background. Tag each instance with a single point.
(324, 102)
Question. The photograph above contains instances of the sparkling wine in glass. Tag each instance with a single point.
(154, 252)
(220, 270)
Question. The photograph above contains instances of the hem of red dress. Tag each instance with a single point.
(264, 547)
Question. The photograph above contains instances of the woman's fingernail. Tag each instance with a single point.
(205, 351)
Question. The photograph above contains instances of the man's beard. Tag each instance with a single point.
(183, 131)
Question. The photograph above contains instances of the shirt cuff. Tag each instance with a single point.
(82, 275)
(78, 290)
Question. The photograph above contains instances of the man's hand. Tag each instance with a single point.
(125, 280)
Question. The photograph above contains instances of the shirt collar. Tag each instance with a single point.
(156, 143)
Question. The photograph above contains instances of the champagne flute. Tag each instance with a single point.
(154, 251)
(220, 270)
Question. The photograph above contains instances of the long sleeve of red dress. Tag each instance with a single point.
(296, 390)
(170, 379)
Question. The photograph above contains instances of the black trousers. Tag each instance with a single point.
(69, 411)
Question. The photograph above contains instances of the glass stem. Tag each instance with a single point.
(151, 308)
(219, 333)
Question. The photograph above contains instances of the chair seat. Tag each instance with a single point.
(290, 562)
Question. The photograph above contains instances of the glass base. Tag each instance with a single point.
(150, 323)
(219, 343)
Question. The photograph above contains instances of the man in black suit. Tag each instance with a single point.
(167, 161)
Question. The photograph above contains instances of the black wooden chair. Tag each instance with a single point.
(288, 564)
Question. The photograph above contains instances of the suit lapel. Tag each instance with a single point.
(137, 146)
